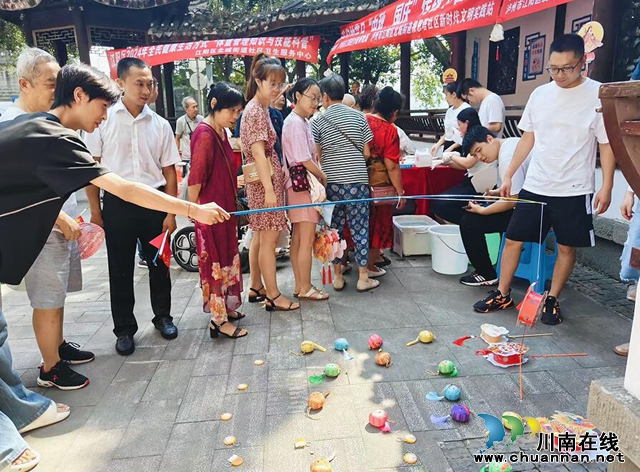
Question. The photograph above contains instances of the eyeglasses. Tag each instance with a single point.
(281, 86)
(562, 70)
(315, 99)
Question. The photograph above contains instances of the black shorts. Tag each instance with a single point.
(570, 218)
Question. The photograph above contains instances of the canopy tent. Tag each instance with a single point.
(304, 48)
(406, 20)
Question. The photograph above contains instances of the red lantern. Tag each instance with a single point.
(531, 307)
(375, 341)
(378, 418)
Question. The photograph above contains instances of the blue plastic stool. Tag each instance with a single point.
(528, 267)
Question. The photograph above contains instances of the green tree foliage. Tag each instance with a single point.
(369, 66)
(426, 74)
(11, 40)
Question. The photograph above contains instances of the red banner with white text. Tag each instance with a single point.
(304, 48)
(512, 9)
(406, 20)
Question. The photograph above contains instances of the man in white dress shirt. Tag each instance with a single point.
(139, 146)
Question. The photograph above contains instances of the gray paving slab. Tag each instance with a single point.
(118, 407)
(190, 448)
(92, 450)
(203, 399)
(159, 408)
(149, 430)
(170, 381)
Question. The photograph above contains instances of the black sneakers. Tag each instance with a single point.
(71, 353)
(551, 311)
(63, 377)
(495, 301)
(477, 280)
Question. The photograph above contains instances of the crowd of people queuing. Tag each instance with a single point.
(328, 142)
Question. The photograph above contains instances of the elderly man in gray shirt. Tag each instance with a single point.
(185, 126)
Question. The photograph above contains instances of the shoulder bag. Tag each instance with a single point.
(379, 182)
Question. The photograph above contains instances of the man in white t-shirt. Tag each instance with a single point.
(491, 107)
(493, 218)
(562, 129)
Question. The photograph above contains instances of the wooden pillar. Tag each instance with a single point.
(459, 53)
(247, 67)
(405, 74)
(157, 73)
(300, 69)
(83, 41)
(344, 68)
(607, 13)
(27, 30)
(168, 69)
(60, 52)
(560, 21)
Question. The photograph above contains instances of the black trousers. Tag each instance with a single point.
(124, 224)
(451, 210)
(473, 228)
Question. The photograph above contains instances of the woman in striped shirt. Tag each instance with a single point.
(343, 135)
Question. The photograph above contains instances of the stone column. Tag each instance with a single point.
(405, 74)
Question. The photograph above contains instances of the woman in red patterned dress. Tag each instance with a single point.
(385, 149)
(213, 179)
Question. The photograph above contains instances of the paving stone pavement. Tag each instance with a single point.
(159, 409)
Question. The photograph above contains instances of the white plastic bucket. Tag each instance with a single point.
(447, 251)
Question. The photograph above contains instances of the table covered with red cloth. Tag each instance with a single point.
(428, 181)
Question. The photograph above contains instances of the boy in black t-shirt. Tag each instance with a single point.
(43, 162)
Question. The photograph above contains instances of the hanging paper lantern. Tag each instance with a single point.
(332, 370)
(452, 393)
(316, 400)
(375, 341)
(530, 308)
(341, 344)
(460, 413)
(378, 418)
(321, 465)
(383, 358)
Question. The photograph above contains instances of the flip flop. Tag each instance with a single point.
(27, 465)
(49, 417)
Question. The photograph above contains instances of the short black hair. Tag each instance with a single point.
(387, 102)
(471, 115)
(126, 63)
(568, 43)
(92, 81)
(301, 86)
(333, 86)
(451, 87)
(226, 95)
(475, 135)
(465, 85)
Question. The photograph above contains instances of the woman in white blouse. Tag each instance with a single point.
(456, 105)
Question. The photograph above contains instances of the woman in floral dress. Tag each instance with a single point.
(258, 140)
(213, 179)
